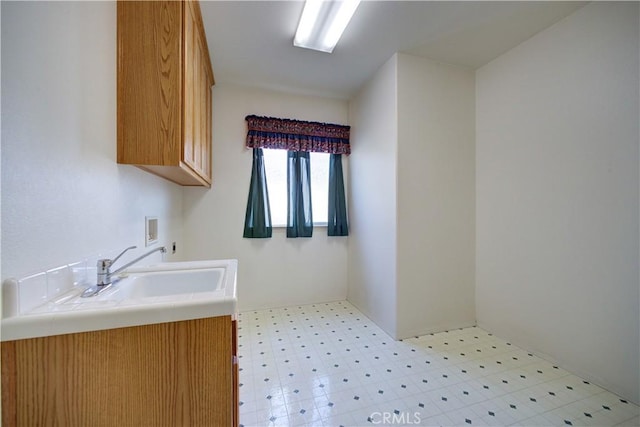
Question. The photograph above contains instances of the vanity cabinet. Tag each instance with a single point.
(164, 90)
(168, 374)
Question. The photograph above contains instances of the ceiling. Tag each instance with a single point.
(251, 42)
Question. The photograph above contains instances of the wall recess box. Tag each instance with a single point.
(151, 230)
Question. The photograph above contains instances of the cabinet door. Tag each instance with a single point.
(197, 84)
(204, 146)
(166, 374)
(190, 86)
(149, 83)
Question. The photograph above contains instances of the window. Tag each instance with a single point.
(275, 162)
(315, 188)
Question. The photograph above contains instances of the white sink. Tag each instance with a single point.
(168, 283)
(165, 292)
(142, 284)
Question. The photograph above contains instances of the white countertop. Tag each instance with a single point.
(59, 316)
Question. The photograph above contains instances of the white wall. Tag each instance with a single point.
(411, 250)
(557, 195)
(372, 201)
(436, 196)
(271, 272)
(63, 195)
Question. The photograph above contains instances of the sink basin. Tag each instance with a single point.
(168, 283)
(165, 292)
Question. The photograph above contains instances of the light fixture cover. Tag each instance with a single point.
(323, 22)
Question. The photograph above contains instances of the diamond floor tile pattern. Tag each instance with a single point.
(329, 365)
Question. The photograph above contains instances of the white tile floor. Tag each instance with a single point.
(329, 365)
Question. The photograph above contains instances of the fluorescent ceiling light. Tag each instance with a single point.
(323, 22)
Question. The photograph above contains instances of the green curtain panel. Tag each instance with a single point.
(299, 216)
(257, 220)
(337, 219)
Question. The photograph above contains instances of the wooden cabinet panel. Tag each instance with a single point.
(164, 90)
(149, 90)
(169, 374)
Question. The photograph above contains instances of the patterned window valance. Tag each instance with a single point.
(296, 135)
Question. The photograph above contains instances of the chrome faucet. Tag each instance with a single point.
(104, 271)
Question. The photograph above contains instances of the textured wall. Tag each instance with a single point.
(436, 196)
(63, 195)
(271, 272)
(557, 195)
(372, 244)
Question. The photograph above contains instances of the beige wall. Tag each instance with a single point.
(557, 195)
(271, 272)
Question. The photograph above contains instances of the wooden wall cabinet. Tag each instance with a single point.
(170, 374)
(164, 90)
